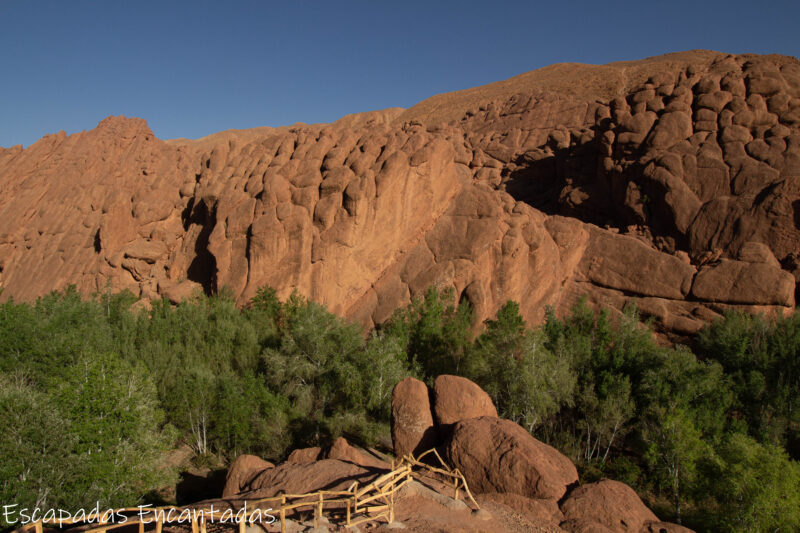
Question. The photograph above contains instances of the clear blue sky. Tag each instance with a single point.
(194, 68)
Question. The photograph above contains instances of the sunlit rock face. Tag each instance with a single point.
(672, 181)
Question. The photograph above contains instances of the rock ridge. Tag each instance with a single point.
(672, 181)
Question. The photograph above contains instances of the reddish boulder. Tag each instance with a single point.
(497, 455)
(302, 456)
(534, 509)
(457, 398)
(342, 450)
(294, 478)
(610, 504)
(412, 422)
(241, 472)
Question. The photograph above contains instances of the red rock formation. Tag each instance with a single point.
(241, 472)
(412, 419)
(343, 451)
(609, 504)
(497, 455)
(517, 480)
(567, 181)
(457, 398)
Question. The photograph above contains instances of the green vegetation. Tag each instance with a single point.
(94, 394)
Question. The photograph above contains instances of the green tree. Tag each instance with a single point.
(113, 412)
(756, 485)
(526, 381)
(435, 331)
(684, 404)
(36, 445)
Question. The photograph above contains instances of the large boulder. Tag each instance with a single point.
(457, 398)
(241, 472)
(497, 455)
(294, 478)
(412, 422)
(609, 504)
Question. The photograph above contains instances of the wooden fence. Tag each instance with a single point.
(351, 507)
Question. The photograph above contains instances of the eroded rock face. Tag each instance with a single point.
(497, 455)
(649, 180)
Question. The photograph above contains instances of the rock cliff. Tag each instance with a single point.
(674, 181)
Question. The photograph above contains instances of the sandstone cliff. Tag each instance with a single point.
(674, 181)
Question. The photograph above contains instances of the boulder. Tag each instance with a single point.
(497, 455)
(610, 504)
(341, 450)
(302, 456)
(243, 469)
(294, 478)
(457, 398)
(412, 422)
(535, 509)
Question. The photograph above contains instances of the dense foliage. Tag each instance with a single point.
(94, 393)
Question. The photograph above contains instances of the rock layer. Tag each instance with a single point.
(674, 181)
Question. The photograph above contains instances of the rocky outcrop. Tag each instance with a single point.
(505, 465)
(673, 179)
(518, 481)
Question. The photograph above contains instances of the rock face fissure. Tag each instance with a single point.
(673, 180)
(203, 267)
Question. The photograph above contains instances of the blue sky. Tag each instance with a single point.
(194, 68)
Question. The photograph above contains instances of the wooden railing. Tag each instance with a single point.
(351, 507)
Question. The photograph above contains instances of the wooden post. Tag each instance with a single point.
(194, 524)
(391, 507)
(141, 527)
(38, 527)
(348, 512)
(283, 514)
(159, 525)
(320, 506)
(243, 524)
(202, 524)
